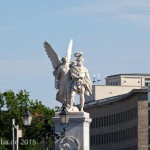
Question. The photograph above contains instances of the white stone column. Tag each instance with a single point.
(77, 131)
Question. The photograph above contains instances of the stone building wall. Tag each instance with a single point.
(117, 125)
(142, 125)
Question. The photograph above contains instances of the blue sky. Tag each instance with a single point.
(113, 35)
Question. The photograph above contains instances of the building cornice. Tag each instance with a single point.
(111, 100)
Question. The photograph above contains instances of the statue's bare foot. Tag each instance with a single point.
(68, 105)
(82, 110)
(72, 109)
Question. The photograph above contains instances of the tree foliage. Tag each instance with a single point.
(12, 106)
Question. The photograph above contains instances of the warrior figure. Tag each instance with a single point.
(81, 83)
(70, 78)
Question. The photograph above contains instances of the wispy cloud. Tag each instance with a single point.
(135, 10)
(108, 7)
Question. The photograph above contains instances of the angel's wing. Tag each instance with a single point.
(52, 55)
(69, 51)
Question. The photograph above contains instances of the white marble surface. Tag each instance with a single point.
(78, 128)
(71, 78)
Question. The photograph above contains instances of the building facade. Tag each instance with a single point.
(149, 117)
(119, 122)
(118, 85)
(132, 79)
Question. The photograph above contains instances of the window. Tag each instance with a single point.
(115, 119)
(91, 125)
(99, 139)
(102, 139)
(110, 120)
(105, 121)
(149, 136)
(96, 122)
(105, 138)
(102, 121)
(96, 139)
(149, 117)
(99, 122)
(110, 137)
(93, 139)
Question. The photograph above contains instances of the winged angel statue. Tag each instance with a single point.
(70, 77)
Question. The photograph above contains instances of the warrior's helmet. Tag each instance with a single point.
(79, 56)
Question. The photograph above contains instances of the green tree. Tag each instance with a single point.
(12, 106)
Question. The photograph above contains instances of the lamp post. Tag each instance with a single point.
(64, 118)
(27, 119)
(15, 140)
(49, 130)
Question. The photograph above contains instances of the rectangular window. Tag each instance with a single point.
(114, 119)
(149, 117)
(110, 138)
(96, 139)
(128, 115)
(110, 121)
(117, 118)
(102, 139)
(99, 139)
(91, 140)
(91, 125)
(105, 138)
(116, 136)
(149, 136)
(123, 135)
(102, 121)
(127, 133)
(119, 136)
(96, 122)
(107, 121)
(99, 122)
(132, 112)
(123, 116)
(112, 135)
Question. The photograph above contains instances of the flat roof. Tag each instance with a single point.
(113, 99)
(130, 74)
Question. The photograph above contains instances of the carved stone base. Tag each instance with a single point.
(77, 134)
(72, 109)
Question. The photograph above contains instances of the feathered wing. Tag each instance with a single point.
(69, 51)
(52, 55)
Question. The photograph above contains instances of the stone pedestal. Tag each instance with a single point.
(77, 133)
